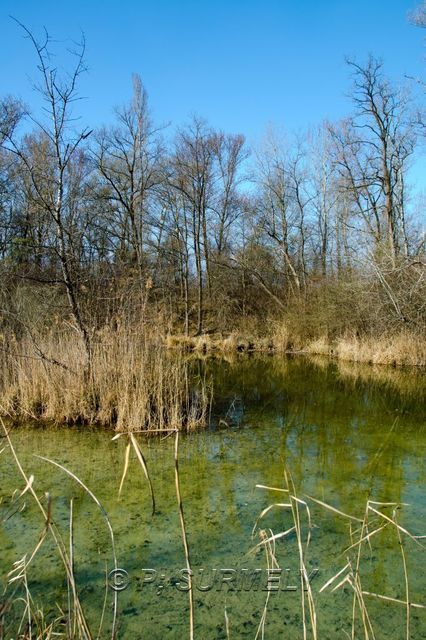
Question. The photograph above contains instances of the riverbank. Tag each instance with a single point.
(142, 381)
(400, 349)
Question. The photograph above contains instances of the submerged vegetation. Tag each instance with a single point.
(76, 503)
(314, 536)
(379, 524)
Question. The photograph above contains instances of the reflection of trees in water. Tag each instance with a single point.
(346, 424)
(336, 433)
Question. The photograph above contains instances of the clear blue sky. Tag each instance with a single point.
(242, 64)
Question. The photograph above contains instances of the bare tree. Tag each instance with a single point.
(279, 208)
(191, 176)
(324, 195)
(11, 112)
(51, 183)
(177, 246)
(418, 16)
(129, 159)
(373, 150)
(229, 155)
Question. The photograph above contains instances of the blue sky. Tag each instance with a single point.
(241, 64)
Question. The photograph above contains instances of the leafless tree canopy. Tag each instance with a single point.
(198, 232)
(418, 17)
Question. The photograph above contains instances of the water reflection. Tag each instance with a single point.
(345, 434)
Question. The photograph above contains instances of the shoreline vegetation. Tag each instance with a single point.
(141, 381)
(119, 241)
(133, 385)
(403, 349)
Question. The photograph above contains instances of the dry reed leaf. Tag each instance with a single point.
(274, 537)
(144, 467)
(267, 509)
(407, 533)
(365, 538)
(184, 539)
(337, 575)
(27, 486)
(263, 486)
(126, 466)
(390, 599)
(330, 508)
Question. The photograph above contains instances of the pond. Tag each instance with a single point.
(344, 434)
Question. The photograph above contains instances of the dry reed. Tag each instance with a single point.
(373, 521)
(35, 621)
(135, 385)
(403, 349)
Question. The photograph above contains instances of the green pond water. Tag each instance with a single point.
(346, 434)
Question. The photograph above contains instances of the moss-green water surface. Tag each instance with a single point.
(345, 434)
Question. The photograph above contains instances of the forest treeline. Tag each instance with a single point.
(194, 232)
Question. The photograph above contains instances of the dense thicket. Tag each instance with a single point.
(195, 232)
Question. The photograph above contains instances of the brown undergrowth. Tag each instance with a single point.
(396, 349)
(134, 385)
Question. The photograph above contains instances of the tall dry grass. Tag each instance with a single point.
(403, 349)
(135, 385)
